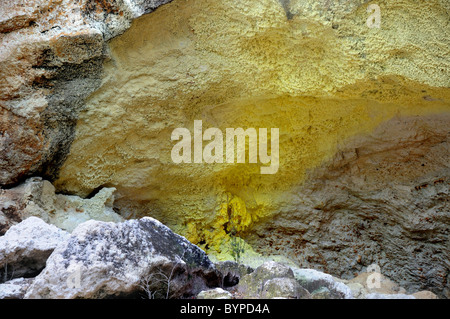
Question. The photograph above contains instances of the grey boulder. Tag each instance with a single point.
(130, 259)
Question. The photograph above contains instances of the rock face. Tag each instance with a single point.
(104, 259)
(382, 199)
(363, 125)
(36, 197)
(50, 60)
(26, 246)
(90, 92)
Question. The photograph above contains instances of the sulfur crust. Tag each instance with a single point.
(244, 64)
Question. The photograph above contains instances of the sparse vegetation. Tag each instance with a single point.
(157, 284)
(237, 248)
(237, 244)
(5, 277)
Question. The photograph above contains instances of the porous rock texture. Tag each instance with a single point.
(51, 57)
(363, 115)
(382, 199)
(245, 64)
(106, 260)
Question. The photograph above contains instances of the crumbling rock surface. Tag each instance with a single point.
(36, 197)
(384, 199)
(322, 77)
(51, 59)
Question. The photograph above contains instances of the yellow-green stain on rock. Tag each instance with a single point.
(245, 64)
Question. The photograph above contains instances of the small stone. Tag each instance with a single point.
(321, 293)
(358, 290)
(272, 269)
(287, 288)
(313, 280)
(425, 294)
(250, 286)
(217, 293)
(383, 285)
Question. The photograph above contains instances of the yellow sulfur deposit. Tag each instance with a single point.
(318, 74)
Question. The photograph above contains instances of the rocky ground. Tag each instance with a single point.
(145, 259)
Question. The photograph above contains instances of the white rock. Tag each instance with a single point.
(216, 293)
(103, 259)
(26, 246)
(37, 197)
(70, 211)
(313, 279)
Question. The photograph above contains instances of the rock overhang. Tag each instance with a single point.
(312, 68)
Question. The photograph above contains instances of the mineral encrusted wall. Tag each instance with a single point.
(51, 59)
(320, 80)
(363, 115)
